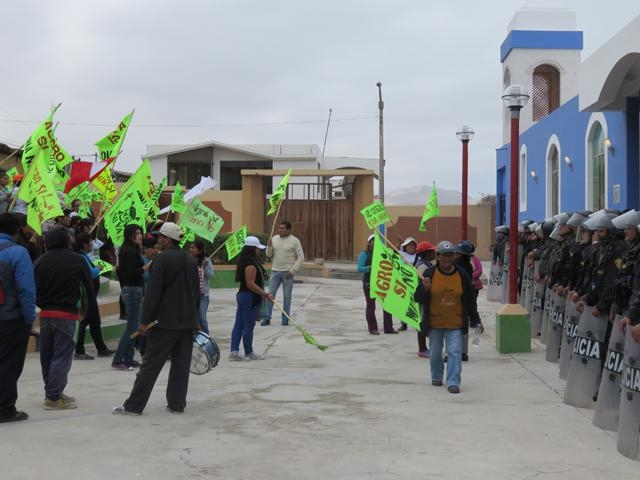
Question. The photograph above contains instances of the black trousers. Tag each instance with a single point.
(14, 337)
(92, 319)
(160, 345)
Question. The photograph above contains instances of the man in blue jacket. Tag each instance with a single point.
(17, 313)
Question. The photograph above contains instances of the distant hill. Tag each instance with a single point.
(418, 196)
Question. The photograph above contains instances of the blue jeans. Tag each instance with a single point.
(453, 339)
(204, 305)
(246, 315)
(277, 279)
(132, 298)
(56, 354)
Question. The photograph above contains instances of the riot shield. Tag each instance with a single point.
(496, 280)
(526, 289)
(554, 330)
(537, 308)
(505, 285)
(629, 414)
(546, 311)
(568, 332)
(608, 404)
(585, 367)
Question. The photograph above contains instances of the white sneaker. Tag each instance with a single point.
(236, 357)
(254, 356)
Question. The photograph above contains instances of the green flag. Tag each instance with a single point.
(177, 200)
(12, 172)
(200, 219)
(42, 197)
(152, 204)
(104, 183)
(309, 339)
(187, 236)
(126, 210)
(110, 145)
(105, 267)
(431, 209)
(375, 214)
(38, 140)
(235, 242)
(393, 283)
(278, 196)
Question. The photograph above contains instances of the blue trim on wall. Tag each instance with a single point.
(570, 126)
(541, 39)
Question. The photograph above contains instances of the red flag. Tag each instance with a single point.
(85, 172)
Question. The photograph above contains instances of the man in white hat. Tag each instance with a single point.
(172, 299)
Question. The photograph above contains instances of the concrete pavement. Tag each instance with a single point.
(362, 409)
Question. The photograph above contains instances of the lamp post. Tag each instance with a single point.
(515, 98)
(381, 166)
(465, 134)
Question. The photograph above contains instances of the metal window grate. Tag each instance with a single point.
(546, 91)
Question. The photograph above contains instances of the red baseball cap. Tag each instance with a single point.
(424, 246)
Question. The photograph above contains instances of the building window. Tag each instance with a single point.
(597, 166)
(553, 182)
(522, 177)
(231, 178)
(188, 174)
(187, 167)
(546, 91)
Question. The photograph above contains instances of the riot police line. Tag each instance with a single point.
(579, 279)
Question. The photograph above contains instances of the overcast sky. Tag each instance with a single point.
(268, 71)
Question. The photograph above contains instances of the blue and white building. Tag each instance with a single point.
(580, 132)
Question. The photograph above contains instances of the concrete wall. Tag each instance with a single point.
(445, 227)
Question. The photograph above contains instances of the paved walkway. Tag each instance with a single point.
(363, 409)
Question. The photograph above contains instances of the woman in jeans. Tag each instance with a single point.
(130, 272)
(250, 274)
(205, 272)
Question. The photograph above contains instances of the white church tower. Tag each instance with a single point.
(542, 53)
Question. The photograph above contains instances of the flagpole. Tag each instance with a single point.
(106, 211)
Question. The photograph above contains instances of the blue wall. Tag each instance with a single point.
(569, 125)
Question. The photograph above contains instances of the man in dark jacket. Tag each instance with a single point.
(60, 276)
(172, 299)
(17, 313)
(448, 306)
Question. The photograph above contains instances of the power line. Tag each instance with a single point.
(212, 125)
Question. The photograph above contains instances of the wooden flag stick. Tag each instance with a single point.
(137, 332)
(14, 152)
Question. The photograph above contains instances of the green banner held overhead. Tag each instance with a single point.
(177, 200)
(375, 214)
(38, 140)
(431, 209)
(277, 197)
(110, 145)
(393, 283)
(235, 242)
(127, 210)
(37, 189)
(200, 219)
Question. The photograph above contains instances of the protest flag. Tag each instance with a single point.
(431, 209)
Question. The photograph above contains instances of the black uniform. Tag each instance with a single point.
(172, 298)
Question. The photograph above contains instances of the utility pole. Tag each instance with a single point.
(381, 166)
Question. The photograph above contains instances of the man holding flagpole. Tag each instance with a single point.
(287, 257)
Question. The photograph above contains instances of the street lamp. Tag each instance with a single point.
(515, 98)
(381, 132)
(465, 134)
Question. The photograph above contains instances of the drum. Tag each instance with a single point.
(205, 354)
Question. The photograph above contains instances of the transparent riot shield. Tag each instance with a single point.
(554, 330)
(568, 332)
(583, 378)
(496, 281)
(629, 413)
(608, 404)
